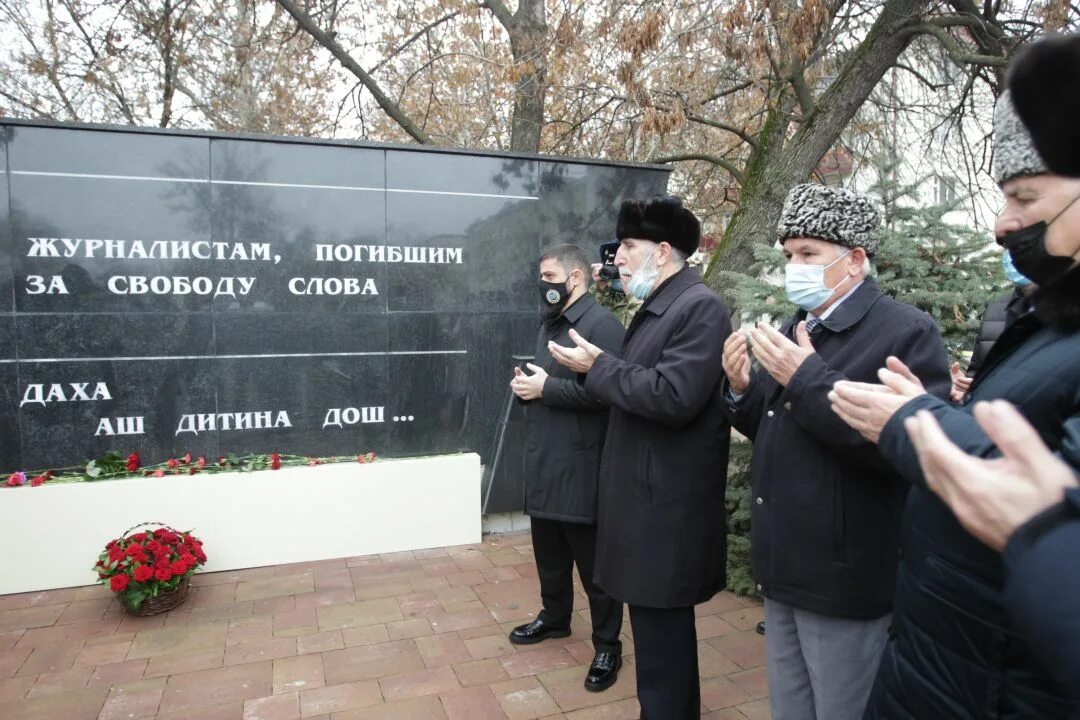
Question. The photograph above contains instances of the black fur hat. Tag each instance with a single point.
(660, 219)
(1044, 81)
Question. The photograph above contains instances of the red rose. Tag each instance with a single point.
(172, 463)
(193, 469)
(179, 567)
(163, 574)
(119, 583)
(143, 573)
(38, 481)
(202, 463)
(186, 460)
(133, 462)
(159, 473)
(275, 461)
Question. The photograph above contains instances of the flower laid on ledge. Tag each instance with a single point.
(113, 466)
(148, 564)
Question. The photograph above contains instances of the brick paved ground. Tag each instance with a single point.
(407, 635)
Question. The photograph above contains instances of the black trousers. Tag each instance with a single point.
(665, 655)
(557, 546)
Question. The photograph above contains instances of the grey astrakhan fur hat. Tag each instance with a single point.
(835, 214)
(1014, 152)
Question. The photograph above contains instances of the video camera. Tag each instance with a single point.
(608, 271)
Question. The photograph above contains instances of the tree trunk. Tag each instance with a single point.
(528, 45)
(777, 166)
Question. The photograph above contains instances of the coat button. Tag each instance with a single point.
(759, 501)
(770, 413)
(758, 586)
(787, 406)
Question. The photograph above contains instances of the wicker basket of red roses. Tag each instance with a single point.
(150, 570)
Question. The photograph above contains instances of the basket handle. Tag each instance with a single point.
(149, 522)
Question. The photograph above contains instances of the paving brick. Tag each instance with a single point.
(404, 629)
(30, 617)
(102, 653)
(366, 662)
(745, 618)
(756, 710)
(627, 709)
(51, 683)
(442, 650)
(80, 611)
(720, 603)
(51, 658)
(536, 661)
(260, 650)
(459, 579)
(474, 703)
(745, 647)
(12, 660)
(359, 614)
(755, 682)
(275, 587)
(335, 698)
(274, 707)
(719, 692)
(567, 688)
(212, 596)
(216, 687)
(124, 704)
(320, 642)
(298, 673)
(183, 640)
(230, 710)
(712, 626)
(421, 708)
(524, 699)
(375, 591)
(490, 646)
(480, 672)
(370, 635)
(15, 688)
(163, 665)
(419, 605)
(713, 663)
(429, 583)
(333, 578)
(421, 682)
(451, 622)
(116, 673)
(78, 705)
(325, 598)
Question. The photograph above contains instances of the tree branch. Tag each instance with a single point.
(959, 55)
(416, 36)
(327, 41)
(718, 161)
(501, 13)
(745, 136)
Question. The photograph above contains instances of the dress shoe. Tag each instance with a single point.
(603, 672)
(761, 628)
(534, 632)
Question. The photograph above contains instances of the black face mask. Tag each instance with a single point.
(1028, 250)
(553, 297)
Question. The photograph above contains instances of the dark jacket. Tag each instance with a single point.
(662, 535)
(956, 652)
(997, 315)
(565, 427)
(1042, 591)
(825, 523)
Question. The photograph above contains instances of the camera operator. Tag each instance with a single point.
(607, 288)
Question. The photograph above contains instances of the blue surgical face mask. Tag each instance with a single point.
(805, 284)
(642, 282)
(1015, 276)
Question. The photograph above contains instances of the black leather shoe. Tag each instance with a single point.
(536, 631)
(761, 628)
(603, 672)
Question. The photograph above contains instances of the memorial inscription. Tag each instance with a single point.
(174, 292)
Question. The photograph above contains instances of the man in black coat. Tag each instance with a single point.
(662, 532)
(957, 650)
(565, 428)
(825, 523)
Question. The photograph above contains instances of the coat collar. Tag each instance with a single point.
(579, 308)
(670, 289)
(848, 313)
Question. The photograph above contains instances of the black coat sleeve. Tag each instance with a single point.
(745, 413)
(918, 345)
(682, 382)
(569, 393)
(1042, 590)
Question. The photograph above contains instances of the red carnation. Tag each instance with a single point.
(163, 574)
(275, 461)
(116, 554)
(132, 550)
(153, 546)
(139, 537)
(200, 554)
(186, 460)
(179, 567)
(133, 462)
(312, 462)
(119, 583)
(188, 559)
(193, 469)
(202, 463)
(38, 481)
(159, 473)
(143, 573)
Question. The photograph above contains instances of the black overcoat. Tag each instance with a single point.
(825, 519)
(565, 427)
(662, 536)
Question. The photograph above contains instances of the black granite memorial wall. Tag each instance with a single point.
(168, 292)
